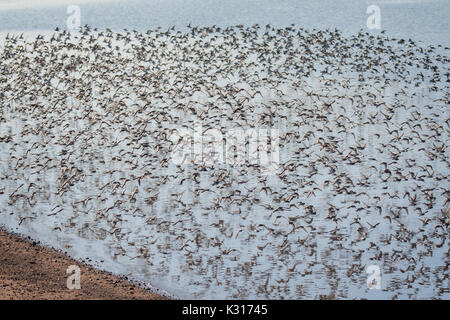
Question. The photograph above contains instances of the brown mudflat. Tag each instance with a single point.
(30, 271)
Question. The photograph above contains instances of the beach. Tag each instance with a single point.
(30, 271)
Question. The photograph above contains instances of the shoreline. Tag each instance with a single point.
(30, 270)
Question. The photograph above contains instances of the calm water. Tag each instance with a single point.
(425, 20)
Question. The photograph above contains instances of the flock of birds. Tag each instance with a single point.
(86, 121)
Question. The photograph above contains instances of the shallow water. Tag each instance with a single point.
(421, 20)
(224, 233)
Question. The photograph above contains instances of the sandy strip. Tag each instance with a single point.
(30, 271)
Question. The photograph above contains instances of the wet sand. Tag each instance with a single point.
(31, 271)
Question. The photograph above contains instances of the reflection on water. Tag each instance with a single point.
(363, 167)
